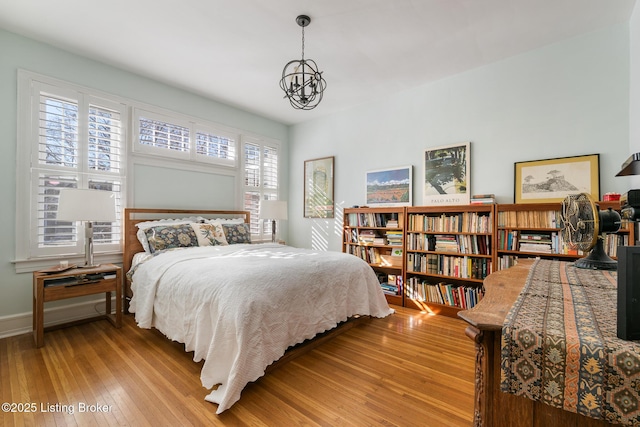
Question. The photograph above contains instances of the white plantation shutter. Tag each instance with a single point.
(270, 168)
(58, 131)
(183, 138)
(216, 146)
(78, 142)
(52, 233)
(260, 183)
(164, 135)
(106, 145)
(252, 165)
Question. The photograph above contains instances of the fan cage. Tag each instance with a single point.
(581, 222)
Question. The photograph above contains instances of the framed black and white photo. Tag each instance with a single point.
(447, 175)
(389, 187)
(551, 180)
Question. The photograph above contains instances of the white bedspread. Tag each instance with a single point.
(239, 307)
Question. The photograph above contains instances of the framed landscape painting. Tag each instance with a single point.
(389, 187)
(551, 180)
(318, 188)
(446, 175)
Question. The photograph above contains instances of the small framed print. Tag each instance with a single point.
(318, 188)
(446, 175)
(390, 187)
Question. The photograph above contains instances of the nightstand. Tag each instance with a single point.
(50, 285)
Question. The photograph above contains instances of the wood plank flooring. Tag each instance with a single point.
(409, 369)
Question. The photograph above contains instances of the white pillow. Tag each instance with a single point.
(142, 226)
(226, 220)
(209, 234)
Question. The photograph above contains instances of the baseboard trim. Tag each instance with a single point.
(22, 323)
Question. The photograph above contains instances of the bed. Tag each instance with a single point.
(238, 306)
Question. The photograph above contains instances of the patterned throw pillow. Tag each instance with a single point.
(237, 233)
(171, 236)
(209, 234)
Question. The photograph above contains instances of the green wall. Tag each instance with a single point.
(17, 52)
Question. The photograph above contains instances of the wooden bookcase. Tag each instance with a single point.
(377, 235)
(449, 252)
(438, 249)
(530, 230)
(624, 237)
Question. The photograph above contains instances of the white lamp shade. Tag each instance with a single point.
(86, 205)
(273, 209)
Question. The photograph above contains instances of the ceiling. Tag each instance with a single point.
(233, 51)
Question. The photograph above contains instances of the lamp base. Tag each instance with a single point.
(89, 266)
(88, 246)
(273, 231)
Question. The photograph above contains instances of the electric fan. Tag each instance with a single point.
(584, 227)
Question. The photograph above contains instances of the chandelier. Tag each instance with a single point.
(301, 81)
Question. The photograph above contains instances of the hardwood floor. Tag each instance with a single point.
(409, 369)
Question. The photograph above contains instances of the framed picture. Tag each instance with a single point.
(551, 180)
(447, 175)
(389, 187)
(318, 188)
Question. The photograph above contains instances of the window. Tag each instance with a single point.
(74, 140)
(260, 182)
(75, 137)
(183, 138)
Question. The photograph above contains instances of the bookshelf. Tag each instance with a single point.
(435, 258)
(624, 237)
(530, 230)
(449, 252)
(377, 235)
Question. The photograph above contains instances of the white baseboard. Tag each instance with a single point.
(22, 323)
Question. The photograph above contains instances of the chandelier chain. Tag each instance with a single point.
(303, 43)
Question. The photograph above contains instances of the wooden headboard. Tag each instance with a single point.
(133, 216)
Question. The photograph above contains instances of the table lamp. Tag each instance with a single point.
(86, 205)
(273, 210)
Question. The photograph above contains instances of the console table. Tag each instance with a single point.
(493, 408)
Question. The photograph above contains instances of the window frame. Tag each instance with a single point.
(28, 255)
(194, 126)
(25, 260)
(263, 226)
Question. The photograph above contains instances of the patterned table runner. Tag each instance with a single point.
(559, 344)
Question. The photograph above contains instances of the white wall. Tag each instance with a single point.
(199, 190)
(566, 99)
(634, 98)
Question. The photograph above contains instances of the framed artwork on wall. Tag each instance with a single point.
(318, 188)
(551, 180)
(447, 175)
(390, 187)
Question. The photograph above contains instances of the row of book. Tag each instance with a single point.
(463, 267)
(391, 283)
(483, 199)
(372, 237)
(461, 243)
(464, 297)
(366, 253)
(465, 222)
(530, 219)
(394, 237)
(550, 242)
(372, 219)
(612, 241)
(374, 255)
(507, 261)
